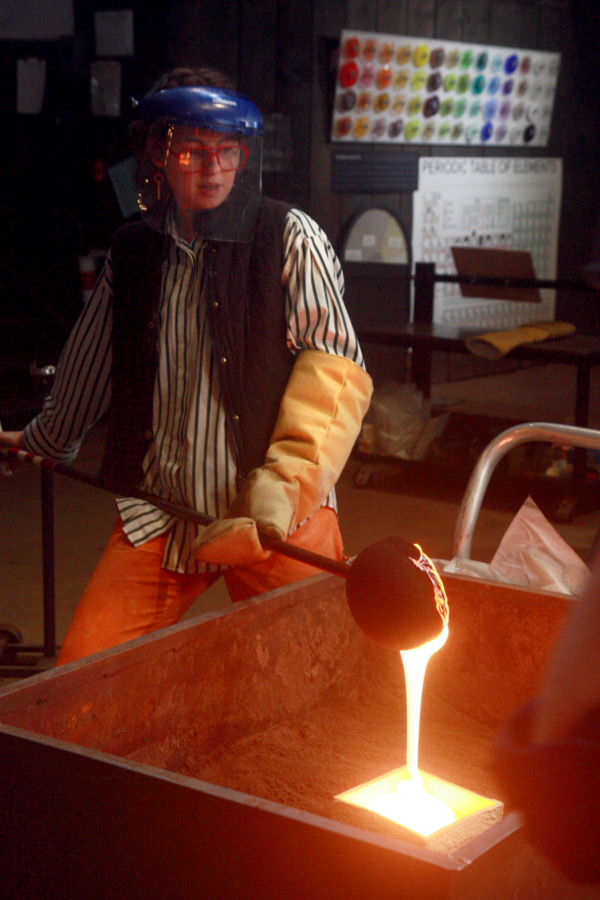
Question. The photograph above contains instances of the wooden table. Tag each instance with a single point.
(423, 338)
(579, 350)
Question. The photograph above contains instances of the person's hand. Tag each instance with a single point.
(230, 542)
(265, 505)
(10, 439)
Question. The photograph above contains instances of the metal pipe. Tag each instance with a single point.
(316, 560)
(569, 435)
(47, 489)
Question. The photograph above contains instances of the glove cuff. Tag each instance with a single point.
(319, 420)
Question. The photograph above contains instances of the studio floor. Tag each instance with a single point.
(391, 503)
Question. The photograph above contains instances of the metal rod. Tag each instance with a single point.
(424, 292)
(323, 563)
(48, 563)
(515, 281)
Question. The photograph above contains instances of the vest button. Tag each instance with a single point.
(224, 360)
(148, 435)
(236, 418)
(151, 324)
(216, 304)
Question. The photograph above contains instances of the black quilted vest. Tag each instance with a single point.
(247, 324)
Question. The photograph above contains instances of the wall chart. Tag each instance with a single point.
(492, 202)
(400, 89)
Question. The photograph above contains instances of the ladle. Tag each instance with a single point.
(391, 593)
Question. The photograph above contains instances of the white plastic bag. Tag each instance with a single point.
(530, 553)
(402, 422)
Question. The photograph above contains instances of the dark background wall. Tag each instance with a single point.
(57, 202)
(557, 25)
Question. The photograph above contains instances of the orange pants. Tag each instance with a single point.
(130, 594)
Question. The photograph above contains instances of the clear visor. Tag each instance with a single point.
(196, 181)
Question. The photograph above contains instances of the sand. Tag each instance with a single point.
(344, 742)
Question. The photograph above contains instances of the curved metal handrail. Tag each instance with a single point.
(567, 435)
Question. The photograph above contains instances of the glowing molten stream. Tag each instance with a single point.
(410, 804)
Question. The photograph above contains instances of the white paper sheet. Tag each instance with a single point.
(31, 85)
(530, 553)
(36, 20)
(114, 32)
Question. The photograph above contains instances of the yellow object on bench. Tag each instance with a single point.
(494, 344)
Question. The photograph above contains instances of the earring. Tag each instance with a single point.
(158, 180)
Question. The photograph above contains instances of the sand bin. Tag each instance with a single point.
(341, 743)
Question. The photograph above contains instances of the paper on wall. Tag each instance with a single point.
(493, 202)
(31, 84)
(36, 20)
(114, 32)
(105, 87)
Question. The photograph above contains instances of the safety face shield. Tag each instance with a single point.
(201, 169)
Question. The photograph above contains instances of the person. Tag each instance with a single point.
(218, 346)
(547, 755)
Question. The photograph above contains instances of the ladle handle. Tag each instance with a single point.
(316, 560)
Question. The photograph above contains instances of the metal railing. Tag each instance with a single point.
(565, 435)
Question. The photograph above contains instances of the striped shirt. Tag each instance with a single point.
(190, 460)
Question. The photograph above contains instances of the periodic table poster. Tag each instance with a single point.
(505, 203)
(403, 89)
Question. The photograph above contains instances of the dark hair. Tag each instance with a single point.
(201, 76)
(198, 76)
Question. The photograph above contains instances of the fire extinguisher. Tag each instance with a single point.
(87, 276)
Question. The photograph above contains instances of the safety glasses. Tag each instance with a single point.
(197, 158)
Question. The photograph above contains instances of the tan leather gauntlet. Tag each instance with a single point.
(319, 420)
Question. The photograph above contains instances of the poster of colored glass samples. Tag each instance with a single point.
(412, 90)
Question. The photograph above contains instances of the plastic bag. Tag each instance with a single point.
(531, 553)
(402, 422)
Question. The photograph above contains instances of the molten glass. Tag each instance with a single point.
(407, 801)
(415, 663)
(412, 806)
(441, 815)
(441, 601)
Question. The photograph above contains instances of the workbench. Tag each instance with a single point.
(422, 337)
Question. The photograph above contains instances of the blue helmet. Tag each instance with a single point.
(200, 173)
(207, 107)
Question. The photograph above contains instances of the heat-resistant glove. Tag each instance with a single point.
(319, 420)
(495, 344)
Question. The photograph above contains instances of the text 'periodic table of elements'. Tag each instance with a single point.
(491, 202)
(416, 90)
